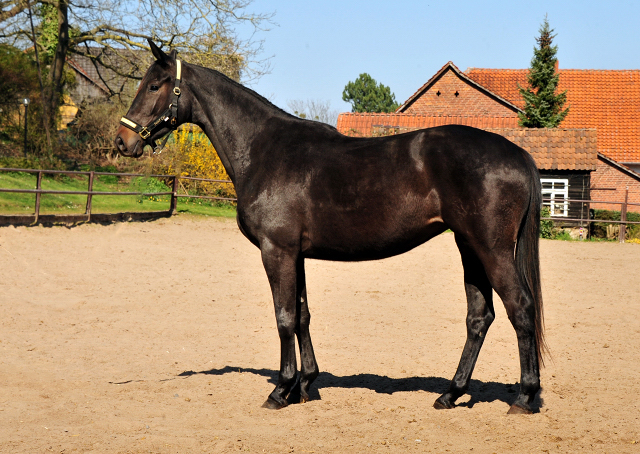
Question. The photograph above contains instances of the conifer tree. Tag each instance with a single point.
(367, 95)
(543, 107)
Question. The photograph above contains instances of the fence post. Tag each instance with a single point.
(174, 196)
(623, 216)
(38, 187)
(87, 211)
(589, 223)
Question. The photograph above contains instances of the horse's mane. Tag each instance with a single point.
(256, 95)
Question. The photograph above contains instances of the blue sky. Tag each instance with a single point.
(317, 47)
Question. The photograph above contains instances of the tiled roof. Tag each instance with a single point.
(607, 100)
(556, 149)
(367, 124)
(552, 149)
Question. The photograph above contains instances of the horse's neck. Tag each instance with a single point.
(231, 116)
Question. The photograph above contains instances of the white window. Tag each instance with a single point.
(558, 192)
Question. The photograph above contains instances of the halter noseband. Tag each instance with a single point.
(170, 114)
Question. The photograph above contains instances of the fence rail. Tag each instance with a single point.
(89, 216)
(623, 222)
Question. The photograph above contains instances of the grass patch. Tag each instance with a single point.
(12, 203)
(207, 208)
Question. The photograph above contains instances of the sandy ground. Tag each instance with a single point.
(160, 338)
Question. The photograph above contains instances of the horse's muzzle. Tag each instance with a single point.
(128, 144)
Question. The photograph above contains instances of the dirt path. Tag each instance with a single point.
(160, 337)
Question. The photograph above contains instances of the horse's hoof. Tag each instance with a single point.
(441, 404)
(518, 410)
(271, 404)
(304, 399)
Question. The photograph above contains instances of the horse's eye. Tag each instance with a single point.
(153, 88)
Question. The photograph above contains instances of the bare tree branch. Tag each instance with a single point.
(315, 110)
(15, 8)
(201, 30)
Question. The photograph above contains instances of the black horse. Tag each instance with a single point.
(306, 191)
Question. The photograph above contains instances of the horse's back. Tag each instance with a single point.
(423, 172)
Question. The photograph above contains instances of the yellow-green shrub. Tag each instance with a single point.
(190, 154)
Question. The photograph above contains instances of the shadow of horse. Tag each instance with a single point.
(479, 391)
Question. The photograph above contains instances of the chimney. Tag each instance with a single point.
(556, 66)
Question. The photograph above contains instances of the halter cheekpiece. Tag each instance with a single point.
(170, 115)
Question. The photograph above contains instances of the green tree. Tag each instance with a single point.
(366, 95)
(18, 76)
(543, 107)
(18, 80)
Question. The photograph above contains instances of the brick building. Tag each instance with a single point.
(606, 102)
(614, 182)
(451, 92)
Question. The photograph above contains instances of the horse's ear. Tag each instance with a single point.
(161, 57)
(173, 54)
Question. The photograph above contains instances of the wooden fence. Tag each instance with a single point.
(89, 216)
(588, 204)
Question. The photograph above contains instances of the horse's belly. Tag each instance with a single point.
(368, 241)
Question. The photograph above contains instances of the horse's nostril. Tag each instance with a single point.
(120, 144)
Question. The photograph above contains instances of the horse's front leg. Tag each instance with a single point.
(308, 367)
(280, 265)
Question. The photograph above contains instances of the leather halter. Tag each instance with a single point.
(170, 115)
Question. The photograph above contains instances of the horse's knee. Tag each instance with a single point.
(286, 322)
(286, 331)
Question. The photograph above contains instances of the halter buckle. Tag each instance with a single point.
(144, 133)
(176, 91)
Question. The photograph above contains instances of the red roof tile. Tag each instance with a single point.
(607, 100)
(556, 149)
(552, 149)
(366, 124)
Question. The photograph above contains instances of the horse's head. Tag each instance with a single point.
(153, 112)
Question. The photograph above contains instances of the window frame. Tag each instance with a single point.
(554, 193)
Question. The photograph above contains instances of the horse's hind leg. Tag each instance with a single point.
(521, 311)
(480, 315)
(309, 366)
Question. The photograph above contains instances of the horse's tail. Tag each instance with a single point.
(528, 258)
